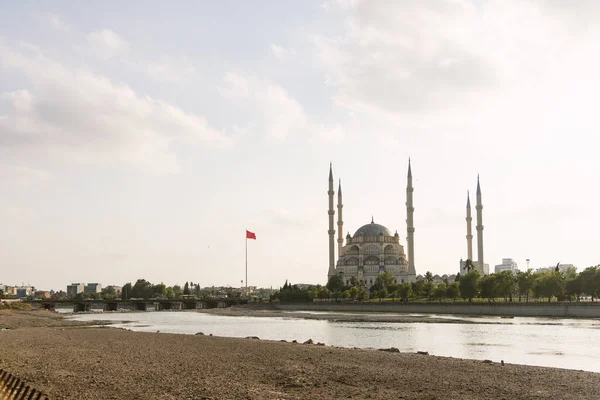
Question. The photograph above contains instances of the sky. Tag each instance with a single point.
(141, 139)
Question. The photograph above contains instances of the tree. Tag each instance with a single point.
(489, 287)
(506, 284)
(453, 291)
(428, 289)
(457, 279)
(1, 294)
(362, 294)
(418, 288)
(440, 291)
(382, 293)
(469, 266)
(197, 290)
(323, 293)
(354, 282)
(141, 289)
(177, 291)
(335, 283)
(158, 291)
(550, 284)
(186, 289)
(353, 292)
(169, 293)
(429, 277)
(525, 282)
(405, 291)
(590, 279)
(574, 287)
(126, 291)
(469, 285)
(385, 281)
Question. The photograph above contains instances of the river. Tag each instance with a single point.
(561, 343)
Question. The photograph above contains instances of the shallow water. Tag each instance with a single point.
(562, 343)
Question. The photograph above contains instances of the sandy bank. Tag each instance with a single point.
(338, 316)
(102, 363)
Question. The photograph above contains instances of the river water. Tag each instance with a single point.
(561, 343)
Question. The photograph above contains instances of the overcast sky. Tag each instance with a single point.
(141, 139)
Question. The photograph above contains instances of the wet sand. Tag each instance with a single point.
(339, 316)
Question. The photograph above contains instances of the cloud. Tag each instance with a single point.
(75, 115)
(106, 43)
(22, 176)
(282, 54)
(280, 113)
(400, 57)
(167, 71)
(57, 23)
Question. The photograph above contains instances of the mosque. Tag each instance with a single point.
(373, 248)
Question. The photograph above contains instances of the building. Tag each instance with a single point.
(480, 265)
(75, 288)
(561, 268)
(93, 288)
(373, 248)
(508, 264)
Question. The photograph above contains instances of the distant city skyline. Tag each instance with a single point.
(139, 140)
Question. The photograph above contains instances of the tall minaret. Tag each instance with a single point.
(479, 208)
(331, 231)
(410, 227)
(469, 230)
(340, 222)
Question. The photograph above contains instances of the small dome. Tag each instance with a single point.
(373, 229)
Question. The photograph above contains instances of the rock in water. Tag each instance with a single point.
(309, 341)
(425, 353)
(200, 334)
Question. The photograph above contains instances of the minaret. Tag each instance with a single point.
(410, 228)
(479, 208)
(331, 231)
(469, 230)
(340, 222)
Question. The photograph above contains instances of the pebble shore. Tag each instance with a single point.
(66, 360)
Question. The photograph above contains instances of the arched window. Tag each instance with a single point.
(372, 260)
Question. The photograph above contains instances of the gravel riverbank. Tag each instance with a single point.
(74, 361)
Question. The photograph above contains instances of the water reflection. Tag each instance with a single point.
(534, 341)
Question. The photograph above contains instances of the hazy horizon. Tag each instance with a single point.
(141, 140)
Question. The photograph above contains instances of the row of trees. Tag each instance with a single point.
(565, 285)
(143, 289)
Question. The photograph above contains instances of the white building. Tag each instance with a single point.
(75, 288)
(373, 249)
(508, 264)
(561, 268)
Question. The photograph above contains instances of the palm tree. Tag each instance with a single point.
(429, 276)
(469, 266)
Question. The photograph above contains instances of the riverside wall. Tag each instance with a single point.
(574, 309)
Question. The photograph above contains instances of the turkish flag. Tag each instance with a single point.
(250, 235)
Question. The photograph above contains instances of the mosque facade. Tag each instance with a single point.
(373, 249)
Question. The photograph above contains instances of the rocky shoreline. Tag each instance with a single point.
(68, 360)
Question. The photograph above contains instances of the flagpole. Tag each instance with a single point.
(246, 266)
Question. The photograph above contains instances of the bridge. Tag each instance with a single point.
(139, 304)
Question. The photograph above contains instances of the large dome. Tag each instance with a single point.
(373, 229)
